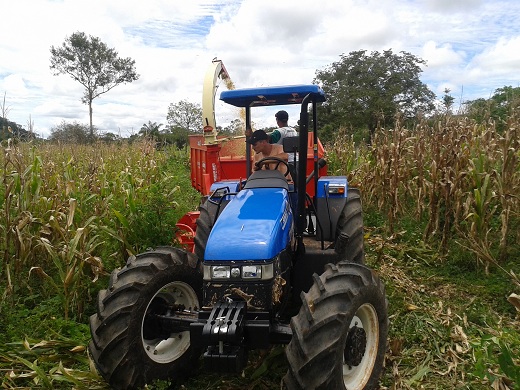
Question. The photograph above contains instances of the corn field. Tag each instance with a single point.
(461, 177)
(71, 213)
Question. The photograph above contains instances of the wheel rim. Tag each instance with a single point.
(356, 376)
(165, 350)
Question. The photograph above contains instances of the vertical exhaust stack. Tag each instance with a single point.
(215, 71)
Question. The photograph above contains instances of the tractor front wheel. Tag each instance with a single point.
(339, 335)
(129, 345)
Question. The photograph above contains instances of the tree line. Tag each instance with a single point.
(365, 90)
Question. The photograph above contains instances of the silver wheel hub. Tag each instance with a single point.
(361, 348)
(165, 348)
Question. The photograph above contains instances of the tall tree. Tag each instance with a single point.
(184, 118)
(366, 89)
(93, 64)
(185, 115)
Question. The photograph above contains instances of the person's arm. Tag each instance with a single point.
(284, 168)
(274, 137)
(256, 158)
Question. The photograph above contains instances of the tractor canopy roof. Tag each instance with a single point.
(272, 96)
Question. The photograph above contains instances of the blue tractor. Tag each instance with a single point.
(271, 265)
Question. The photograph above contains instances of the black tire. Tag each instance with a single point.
(349, 230)
(208, 211)
(125, 345)
(327, 351)
(205, 222)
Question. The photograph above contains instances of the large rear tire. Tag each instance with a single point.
(339, 335)
(128, 346)
(349, 230)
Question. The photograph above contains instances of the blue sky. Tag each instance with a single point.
(471, 47)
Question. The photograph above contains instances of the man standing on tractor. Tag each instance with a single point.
(284, 131)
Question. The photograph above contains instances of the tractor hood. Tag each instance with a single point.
(255, 225)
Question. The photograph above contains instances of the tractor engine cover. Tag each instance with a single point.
(256, 225)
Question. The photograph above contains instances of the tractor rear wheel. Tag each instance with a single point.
(339, 335)
(129, 345)
(349, 230)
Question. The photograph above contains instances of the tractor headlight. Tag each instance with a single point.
(252, 272)
(220, 272)
(244, 272)
(336, 189)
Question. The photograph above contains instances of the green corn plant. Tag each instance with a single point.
(22, 180)
(480, 211)
(508, 181)
(72, 258)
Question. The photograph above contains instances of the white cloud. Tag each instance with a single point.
(441, 56)
(501, 58)
(470, 43)
(449, 6)
(15, 84)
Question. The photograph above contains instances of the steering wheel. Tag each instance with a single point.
(271, 160)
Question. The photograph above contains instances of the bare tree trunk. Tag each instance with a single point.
(4, 108)
(90, 118)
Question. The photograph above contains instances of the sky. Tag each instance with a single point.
(471, 47)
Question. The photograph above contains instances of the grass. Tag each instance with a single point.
(70, 214)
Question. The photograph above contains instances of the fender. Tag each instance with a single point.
(257, 224)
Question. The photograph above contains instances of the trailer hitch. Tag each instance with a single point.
(223, 333)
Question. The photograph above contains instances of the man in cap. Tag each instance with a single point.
(259, 140)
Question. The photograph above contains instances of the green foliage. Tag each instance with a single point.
(70, 211)
(73, 133)
(150, 129)
(502, 104)
(500, 350)
(176, 136)
(185, 115)
(447, 101)
(365, 90)
(236, 127)
(109, 137)
(183, 118)
(10, 129)
(150, 217)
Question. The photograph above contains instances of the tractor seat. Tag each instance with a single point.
(267, 179)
